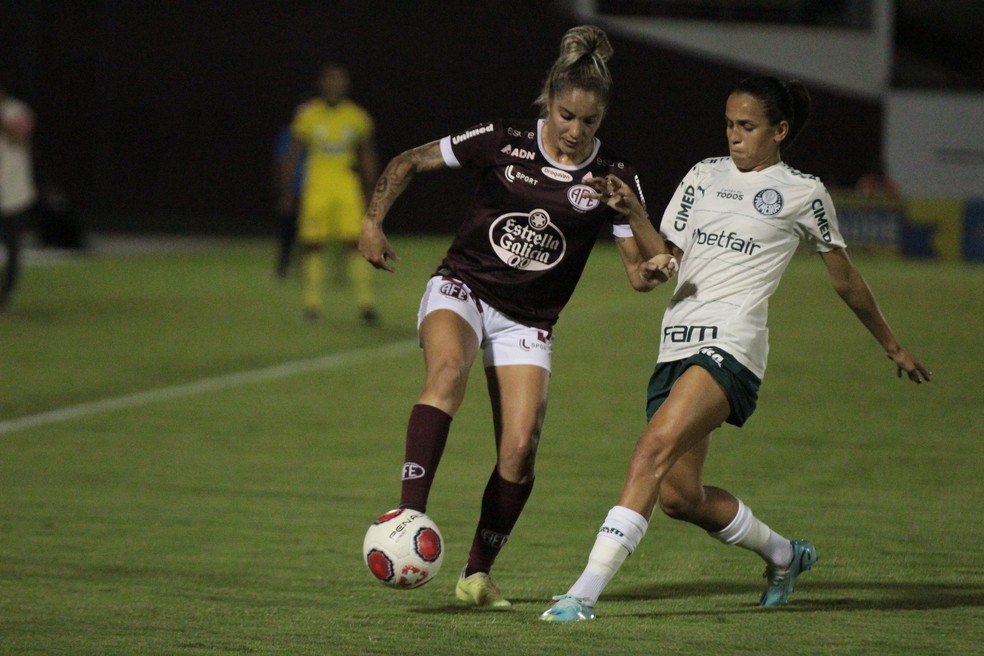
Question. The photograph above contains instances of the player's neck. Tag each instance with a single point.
(554, 152)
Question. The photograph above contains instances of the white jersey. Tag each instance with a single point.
(738, 232)
(17, 191)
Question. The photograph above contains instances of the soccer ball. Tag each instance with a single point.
(403, 549)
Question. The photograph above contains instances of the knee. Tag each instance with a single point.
(448, 376)
(517, 457)
(652, 456)
(680, 505)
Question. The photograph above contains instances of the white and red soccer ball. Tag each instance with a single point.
(403, 549)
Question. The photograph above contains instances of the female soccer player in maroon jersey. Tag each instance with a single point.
(547, 187)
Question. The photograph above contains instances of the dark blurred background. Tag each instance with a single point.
(160, 118)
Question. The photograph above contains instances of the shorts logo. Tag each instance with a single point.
(453, 289)
(542, 342)
(580, 198)
(527, 241)
(412, 470)
(712, 354)
(557, 174)
(768, 202)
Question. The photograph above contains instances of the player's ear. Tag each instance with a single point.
(782, 131)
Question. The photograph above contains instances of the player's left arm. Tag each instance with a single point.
(644, 274)
(851, 286)
(645, 255)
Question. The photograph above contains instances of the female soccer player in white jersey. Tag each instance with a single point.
(733, 223)
(511, 268)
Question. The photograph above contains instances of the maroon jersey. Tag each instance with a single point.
(532, 223)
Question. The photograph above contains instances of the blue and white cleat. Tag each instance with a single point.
(782, 582)
(569, 608)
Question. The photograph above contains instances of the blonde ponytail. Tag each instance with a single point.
(582, 64)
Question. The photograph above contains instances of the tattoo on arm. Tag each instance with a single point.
(398, 174)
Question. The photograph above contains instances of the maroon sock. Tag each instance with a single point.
(502, 504)
(427, 433)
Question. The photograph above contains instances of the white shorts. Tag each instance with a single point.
(504, 341)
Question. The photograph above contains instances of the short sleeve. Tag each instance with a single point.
(819, 223)
(475, 147)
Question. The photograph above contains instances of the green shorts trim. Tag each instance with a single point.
(740, 384)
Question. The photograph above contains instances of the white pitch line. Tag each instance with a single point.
(206, 385)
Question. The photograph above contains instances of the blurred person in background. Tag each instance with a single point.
(18, 194)
(342, 165)
(511, 268)
(734, 224)
(287, 215)
(877, 182)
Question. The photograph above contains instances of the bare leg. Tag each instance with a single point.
(450, 347)
(696, 406)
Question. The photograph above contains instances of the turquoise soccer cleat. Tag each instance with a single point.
(782, 582)
(569, 608)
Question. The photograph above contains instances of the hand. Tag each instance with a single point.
(613, 192)
(659, 268)
(914, 369)
(375, 247)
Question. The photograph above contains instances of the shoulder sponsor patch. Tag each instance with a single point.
(468, 134)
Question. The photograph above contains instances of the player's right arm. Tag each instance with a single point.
(372, 241)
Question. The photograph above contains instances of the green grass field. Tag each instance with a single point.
(187, 468)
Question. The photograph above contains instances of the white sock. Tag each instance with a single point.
(746, 531)
(618, 537)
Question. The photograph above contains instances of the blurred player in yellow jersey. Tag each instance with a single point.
(342, 167)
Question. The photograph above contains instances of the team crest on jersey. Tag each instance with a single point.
(580, 198)
(768, 202)
(527, 241)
